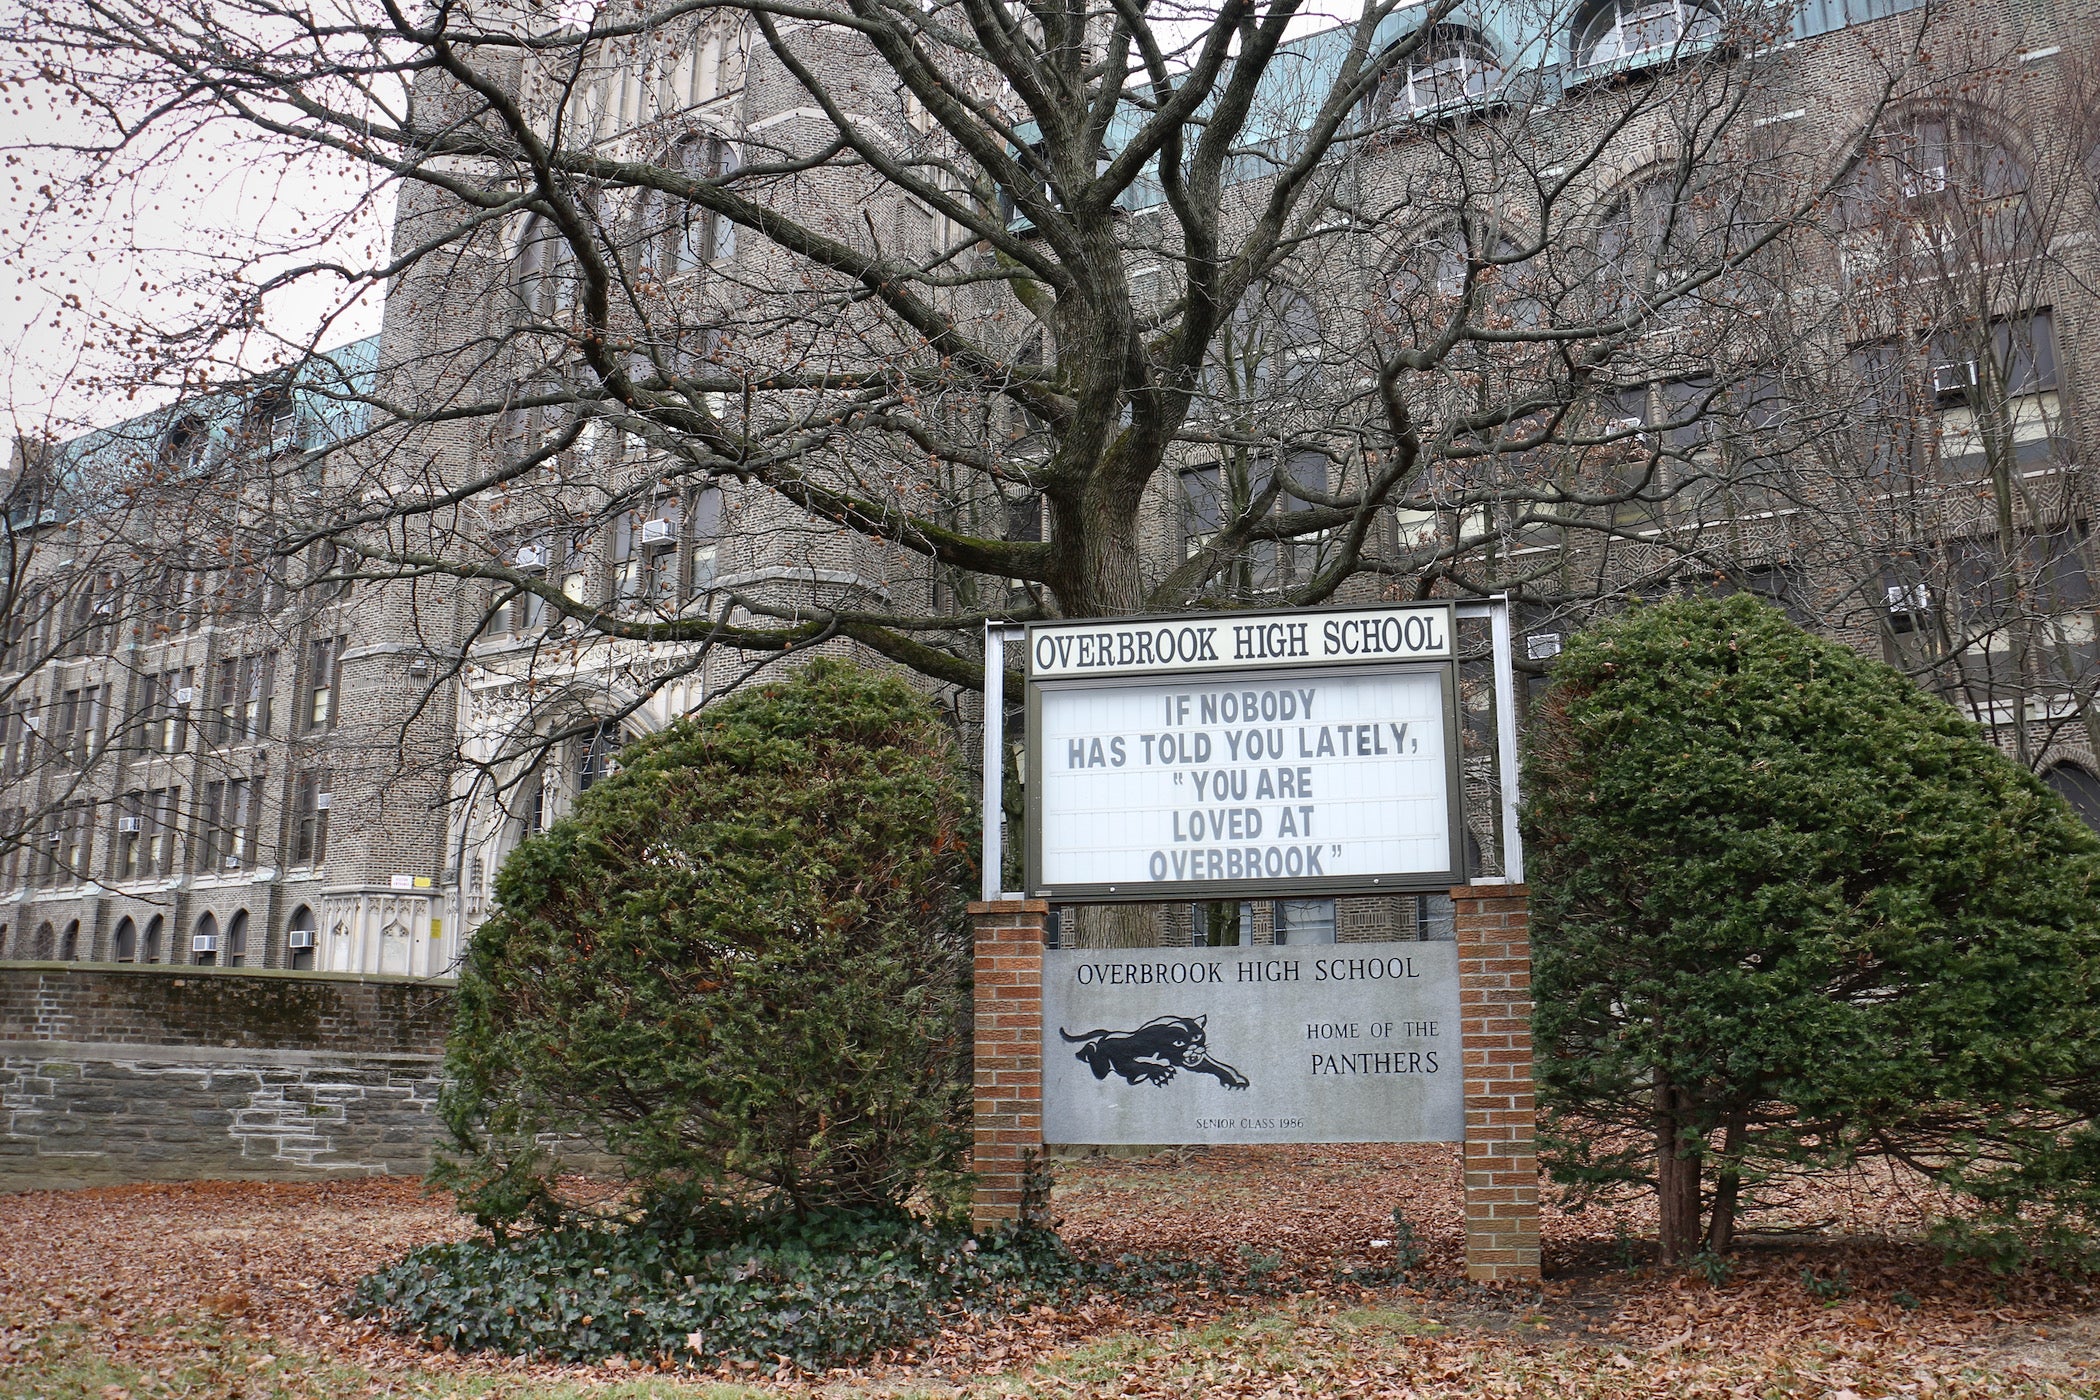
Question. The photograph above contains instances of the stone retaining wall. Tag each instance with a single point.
(120, 1074)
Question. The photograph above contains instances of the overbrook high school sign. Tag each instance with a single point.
(1353, 1042)
(1225, 757)
(1307, 753)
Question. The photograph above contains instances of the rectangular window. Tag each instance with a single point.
(80, 720)
(226, 694)
(21, 735)
(240, 822)
(645, 553)
(101, 595)
(1222, 923)
(1024, 518)
(228, 825)
(175, 693)
(163, 809)
(1304, 921)
(14, 838)
(243, 699)
(323, 674)
(48, 840)
(559, 558)
(130, 837)
(258, 680)
(310, 803)
(69, 839)
(1884, 425)
(1202, 506)
(704, 529)
(209, 850)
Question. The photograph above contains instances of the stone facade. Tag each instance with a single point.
(433, 774)
(111, 1075)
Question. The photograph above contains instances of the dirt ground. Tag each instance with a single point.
(238, 1289)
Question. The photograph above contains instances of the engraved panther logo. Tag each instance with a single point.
(1153, 1052)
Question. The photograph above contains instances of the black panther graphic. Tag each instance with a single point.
(1151, 1053)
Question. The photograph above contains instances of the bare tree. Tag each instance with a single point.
(964, 310)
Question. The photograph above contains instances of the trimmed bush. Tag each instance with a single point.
(741, 967)
(1790, 911)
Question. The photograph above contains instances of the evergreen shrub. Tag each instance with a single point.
(1789, 911)
(740, 967)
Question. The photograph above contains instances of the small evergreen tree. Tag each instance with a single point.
(741, 967)
(1790, 911)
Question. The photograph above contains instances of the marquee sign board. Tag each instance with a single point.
(1232, 756)
(1350, 1042)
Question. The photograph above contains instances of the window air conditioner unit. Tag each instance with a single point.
(1954, 377)
(204, 943)
(1542, 646)
(233, 862)
(322, 801)
(128, 826)
(658, 532)
(532, 556)
(184, 694)
(299, 938)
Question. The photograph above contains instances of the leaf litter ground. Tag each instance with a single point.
(229, 1289)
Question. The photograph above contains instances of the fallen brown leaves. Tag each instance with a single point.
(272, 1265)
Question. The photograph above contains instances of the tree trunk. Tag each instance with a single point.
(1728, 1188)
(1676, 1178)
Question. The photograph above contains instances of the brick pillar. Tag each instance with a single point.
(1501, 1147)
(1008, 1098)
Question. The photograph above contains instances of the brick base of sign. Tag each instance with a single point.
(1009, 1034)
(1501, 1153)
(1501, 1147)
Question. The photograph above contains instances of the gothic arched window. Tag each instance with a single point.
(299, 939)
(1938, 193)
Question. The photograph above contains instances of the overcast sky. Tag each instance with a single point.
(91, 279)
(85, 277)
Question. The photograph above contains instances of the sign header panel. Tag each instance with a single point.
(1335, 781)
(1239, 642)
(1338, 1042)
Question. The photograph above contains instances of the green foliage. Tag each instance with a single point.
(1407, 1254)
(1716, 1269)
(1832, 1287)
(820, 1289)
(740, 967)
(1789, 911)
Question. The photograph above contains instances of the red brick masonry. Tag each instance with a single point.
(1494, 1000)
(1009, 1033)
(1501, 1147)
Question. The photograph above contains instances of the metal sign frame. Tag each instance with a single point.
(1280, 887)
(1495, 610)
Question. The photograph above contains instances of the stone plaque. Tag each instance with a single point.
(1348, 1042)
